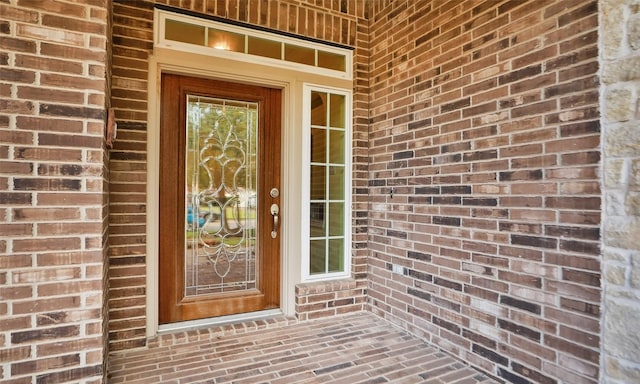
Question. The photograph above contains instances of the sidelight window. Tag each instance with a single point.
(327, 132)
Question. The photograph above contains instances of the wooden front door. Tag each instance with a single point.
(219, 240)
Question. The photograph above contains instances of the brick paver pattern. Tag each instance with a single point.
(354, 348)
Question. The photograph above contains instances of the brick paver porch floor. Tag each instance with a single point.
(353, 348)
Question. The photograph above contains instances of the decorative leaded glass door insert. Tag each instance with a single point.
(221, 197)
(220, 161)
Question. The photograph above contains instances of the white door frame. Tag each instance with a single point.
(291, 82)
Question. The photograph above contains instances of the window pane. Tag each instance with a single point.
(331, 61)
(337, 111)
(300, 55)
(317, 221)
(328, 172)
(318, 145)
(227, 41)
(184, 32)
(318, 182)
(336, 150)
(336, 255)
(317, 256)
(221, 204)
(318, 109)
(336, 219)
(336, 183)
(264, 48)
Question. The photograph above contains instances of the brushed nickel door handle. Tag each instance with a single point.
(275, 211)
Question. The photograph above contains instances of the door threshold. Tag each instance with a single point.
(217, 321)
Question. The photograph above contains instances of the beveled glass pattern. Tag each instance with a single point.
(221, 201)
(327, 183)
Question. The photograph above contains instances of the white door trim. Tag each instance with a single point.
(291, 82)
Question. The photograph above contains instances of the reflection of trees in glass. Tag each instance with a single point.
(226, 133)
(220, 179)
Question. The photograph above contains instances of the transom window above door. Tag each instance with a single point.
(198, 34)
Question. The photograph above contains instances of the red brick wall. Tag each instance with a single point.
(336, 21)
(132, 43)
(52, 191)
(484, 152)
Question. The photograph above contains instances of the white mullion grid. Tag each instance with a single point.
(324, 201)
(327, 154)
(327, 200)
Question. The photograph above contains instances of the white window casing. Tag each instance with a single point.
(307, 212)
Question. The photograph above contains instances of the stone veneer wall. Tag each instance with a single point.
(620, 100)
(53, 191)
(342, 22)
(484, 182)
